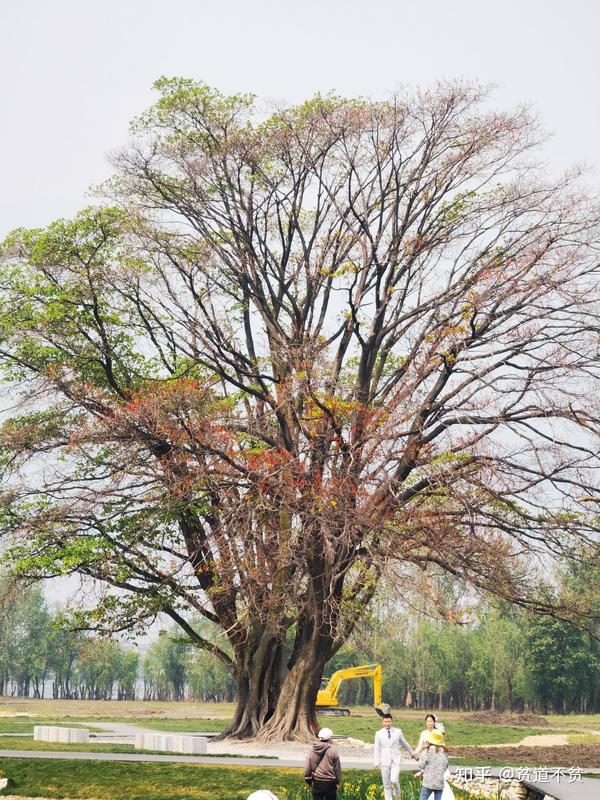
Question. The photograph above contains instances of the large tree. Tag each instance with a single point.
(300, 344)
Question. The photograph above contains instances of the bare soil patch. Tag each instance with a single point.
(545, 740)
(514, 720)
(577, 755)
(12, 706)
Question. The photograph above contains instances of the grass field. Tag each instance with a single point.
(19, 715)
(190, 725)
(212, 717)
(584, 738)
(458, 732)
(19, 725)
(580, 722)
(146, 781)
(139, 781)
(112, 709)
(158, 781)
(67, 710)
(28, 743)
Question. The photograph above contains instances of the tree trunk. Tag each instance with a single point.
(295, 717)
(260, 674)
(277, 687)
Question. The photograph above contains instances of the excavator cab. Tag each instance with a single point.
(327, 696)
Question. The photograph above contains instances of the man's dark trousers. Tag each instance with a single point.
(324, 790)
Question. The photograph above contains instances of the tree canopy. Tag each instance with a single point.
(296, 346)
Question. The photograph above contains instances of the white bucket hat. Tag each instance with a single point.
(325, 734)
(262, 794)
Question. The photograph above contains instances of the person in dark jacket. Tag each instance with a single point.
(323, 771)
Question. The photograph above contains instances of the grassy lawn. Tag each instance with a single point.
(213, 717)
(119, 710)
(494, 762)
(111, 709)
(25, 725)
(147, 781)
(579, 722)
(139, 781)
(189, 725)
(584, 738)
(458, 732)
(27, 743)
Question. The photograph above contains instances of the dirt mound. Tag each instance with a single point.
(571, 755)
(516, 720)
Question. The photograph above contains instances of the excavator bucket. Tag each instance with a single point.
(383, 708)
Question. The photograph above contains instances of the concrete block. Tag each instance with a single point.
(80, 735)
(54, 733)
(63, 735)
(189, 745)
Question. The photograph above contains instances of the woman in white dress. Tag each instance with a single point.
(431, 724)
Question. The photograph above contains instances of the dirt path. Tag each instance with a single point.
(350, 749)
(545, 740)
(540, 740)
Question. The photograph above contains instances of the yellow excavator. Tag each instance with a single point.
(327, 696)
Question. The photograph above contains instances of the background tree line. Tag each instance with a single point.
(41, 657)
(503, 659)
(507, 661)
(442, 647)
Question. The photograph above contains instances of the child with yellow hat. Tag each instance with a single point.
(434, 763)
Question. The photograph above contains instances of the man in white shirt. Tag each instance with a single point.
(387, 756)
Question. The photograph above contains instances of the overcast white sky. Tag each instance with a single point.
(74, 73)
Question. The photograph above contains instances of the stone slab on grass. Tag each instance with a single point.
(54, 733)
(169, 743)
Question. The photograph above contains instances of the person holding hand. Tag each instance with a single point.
(387, 756)
(431, 723)
(434, 763)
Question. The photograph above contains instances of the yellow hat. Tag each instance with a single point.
(436, 738)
